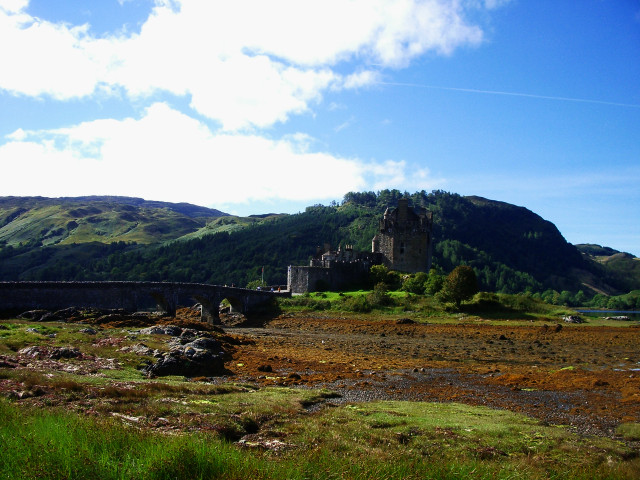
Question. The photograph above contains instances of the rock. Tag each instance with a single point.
(188, 334)
(404, 321)
(155, 330)
(204, 356)
(88, 331)
(294, 376)
(558, 328)
(171, 330)
(572, 319)
(33, 352)
(65, 352)
(265, 368)
(55, 353)
(7, 362)
(51, 317)
(34, 315)
(205, 343)
(139, 349)
(257, 442)
(175, 363)
(67, 313)
(33, 330)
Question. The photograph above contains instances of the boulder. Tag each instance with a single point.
(34, 315)
(64, 352)
(204, 356)
(171, 330)
(32, 352)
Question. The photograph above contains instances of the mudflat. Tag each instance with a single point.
(586, 377)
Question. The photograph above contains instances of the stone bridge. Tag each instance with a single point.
(17, 297)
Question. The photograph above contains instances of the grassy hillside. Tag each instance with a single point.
(511, 248)
(64, 221)
(619, 268)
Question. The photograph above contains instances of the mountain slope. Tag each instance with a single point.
(52, 221)
(511, 248)
(619, 268)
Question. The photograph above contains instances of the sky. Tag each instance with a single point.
(257, 106)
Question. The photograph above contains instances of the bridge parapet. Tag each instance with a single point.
(130, 296)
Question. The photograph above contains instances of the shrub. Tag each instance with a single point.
(381, 274)
(434, 283)
(358, 304)
(415, 283)
(379, 297)
(461, 284)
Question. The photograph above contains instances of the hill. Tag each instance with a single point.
(620, 268)
(511, 248)
(62, 221)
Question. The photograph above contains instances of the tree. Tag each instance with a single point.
(434, 282)
(461, 284)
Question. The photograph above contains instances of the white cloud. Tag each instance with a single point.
(391, 173)
(247, 63)
(13, 6)
(167, 155)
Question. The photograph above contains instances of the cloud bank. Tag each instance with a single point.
(242, 67)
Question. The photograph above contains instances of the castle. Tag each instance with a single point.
(403, 243)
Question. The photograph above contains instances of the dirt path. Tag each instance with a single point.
(586, 377)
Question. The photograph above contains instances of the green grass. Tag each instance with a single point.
(629, 431)
(485, 307)
(51, 436)
(395, 440)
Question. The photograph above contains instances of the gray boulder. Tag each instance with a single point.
(203, 356)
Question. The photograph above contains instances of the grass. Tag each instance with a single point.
(172, 428)
(378, 440)
(629, 431)
(488, 308)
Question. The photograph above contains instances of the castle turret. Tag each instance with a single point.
(404, 238)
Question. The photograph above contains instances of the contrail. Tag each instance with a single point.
(510, 94)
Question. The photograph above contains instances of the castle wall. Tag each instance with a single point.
(339, 275)
(405, 252)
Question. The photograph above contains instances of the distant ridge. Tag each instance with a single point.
(43, 221)
(184, 208)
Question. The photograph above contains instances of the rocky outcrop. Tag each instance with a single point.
(192, 353)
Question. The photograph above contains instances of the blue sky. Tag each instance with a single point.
(253, 107)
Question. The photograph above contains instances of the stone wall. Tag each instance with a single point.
(17, 297)
(338, 276)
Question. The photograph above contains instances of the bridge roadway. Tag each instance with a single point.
(17, 297)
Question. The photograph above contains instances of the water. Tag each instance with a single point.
(633, 315)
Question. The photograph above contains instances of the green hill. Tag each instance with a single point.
(618, 268)
(64, 221)
(511, 248)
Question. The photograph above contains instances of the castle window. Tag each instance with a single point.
(401, 247)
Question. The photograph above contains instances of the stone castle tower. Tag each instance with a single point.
(403, 243)
(404, 238)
